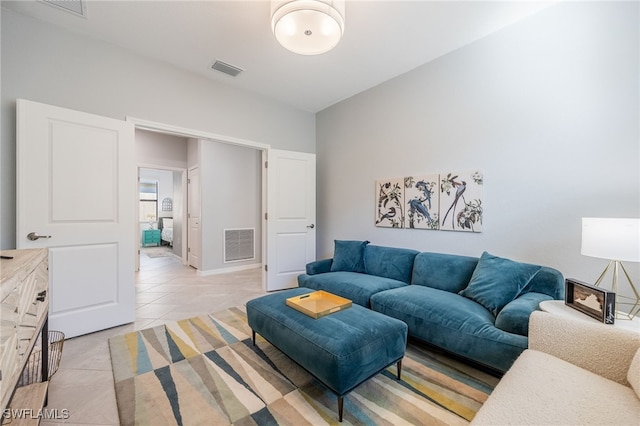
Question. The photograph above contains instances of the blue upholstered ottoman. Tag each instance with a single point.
(341, 350)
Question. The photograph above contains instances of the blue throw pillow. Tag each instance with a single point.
(497, 281)
(348, 256)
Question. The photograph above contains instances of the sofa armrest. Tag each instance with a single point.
(319, 266)
(514, 317)
(605, 350)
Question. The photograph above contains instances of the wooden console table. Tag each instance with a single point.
(24, 313)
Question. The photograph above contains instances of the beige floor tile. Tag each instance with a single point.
(170, 288)
(86, 354)
(142, 288)
(154, 310)
(149, 296)
(87, 395)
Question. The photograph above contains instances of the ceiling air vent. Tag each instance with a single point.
(226, 68)
(77, 7)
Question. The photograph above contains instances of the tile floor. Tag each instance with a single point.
(166, 290)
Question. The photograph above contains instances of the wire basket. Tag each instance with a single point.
(32, 372)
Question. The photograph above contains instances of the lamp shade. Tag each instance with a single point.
(609, 238)
(308, 27)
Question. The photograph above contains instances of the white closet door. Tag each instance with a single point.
(291, 216)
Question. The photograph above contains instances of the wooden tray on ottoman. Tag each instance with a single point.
(318, 304)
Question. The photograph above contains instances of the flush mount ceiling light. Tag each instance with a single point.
(308, 27)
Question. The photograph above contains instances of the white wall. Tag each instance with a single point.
(548, 108)
(159, 149)
(231, 188)
(46, 64)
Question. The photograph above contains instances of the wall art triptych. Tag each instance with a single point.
(451, 202)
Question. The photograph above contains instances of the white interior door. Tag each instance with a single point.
(291, 216)
(76, 187)
(193, 214)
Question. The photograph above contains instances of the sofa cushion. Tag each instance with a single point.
(348, 256)
(451, 322)
(443, 271)
(497, 281)
(633, 376)
(389, 262)
(354, 286)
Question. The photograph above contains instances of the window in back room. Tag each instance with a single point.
(148, 201)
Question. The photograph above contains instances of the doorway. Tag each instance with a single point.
(161, 196)
(161, 218)
(281, 175)
(231, 176)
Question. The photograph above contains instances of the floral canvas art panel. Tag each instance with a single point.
(461, 201)
(390, 205)
(421, 193)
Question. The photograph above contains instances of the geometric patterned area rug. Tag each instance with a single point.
(205, 371)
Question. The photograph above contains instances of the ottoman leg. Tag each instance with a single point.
(340, 405)
(253, 337)
(399, 368)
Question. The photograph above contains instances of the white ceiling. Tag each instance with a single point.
(382, 39)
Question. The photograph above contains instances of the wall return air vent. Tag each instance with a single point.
(225, 68)
(239, 244)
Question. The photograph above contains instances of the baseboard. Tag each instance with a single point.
(229, 269)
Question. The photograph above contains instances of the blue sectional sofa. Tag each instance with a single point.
(476, 308)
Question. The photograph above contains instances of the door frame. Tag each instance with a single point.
(183, 172)
(199, 134)
(188, 211)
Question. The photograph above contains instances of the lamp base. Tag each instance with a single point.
(622, 300)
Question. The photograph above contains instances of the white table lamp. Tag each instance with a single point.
(616, 240)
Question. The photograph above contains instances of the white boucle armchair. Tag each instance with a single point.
(573, 373)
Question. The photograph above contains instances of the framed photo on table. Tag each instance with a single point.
(590, 300)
